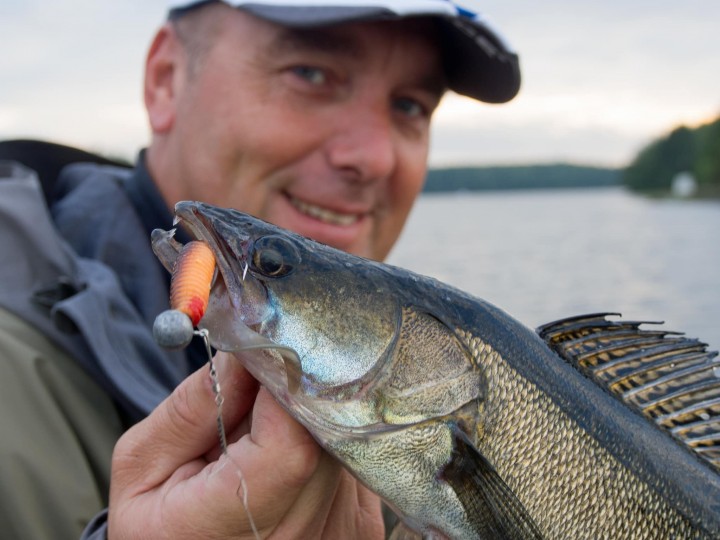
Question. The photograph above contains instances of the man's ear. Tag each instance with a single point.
(164, 74)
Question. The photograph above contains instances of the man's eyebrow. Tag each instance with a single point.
(435, 83)
(332, 41)
(317, 40)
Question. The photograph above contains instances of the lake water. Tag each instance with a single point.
(543, 255)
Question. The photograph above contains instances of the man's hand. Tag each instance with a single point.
(170, 480)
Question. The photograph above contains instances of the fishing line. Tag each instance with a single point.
(203, 333)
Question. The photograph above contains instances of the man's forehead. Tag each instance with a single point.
(353, 40)
(326, 40)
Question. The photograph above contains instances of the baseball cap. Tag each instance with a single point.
(479, 63)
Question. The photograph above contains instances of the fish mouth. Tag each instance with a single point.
(234, 328)
(167, 248)
(238, 305)
(229, 289)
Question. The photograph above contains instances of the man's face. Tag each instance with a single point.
(324, 132)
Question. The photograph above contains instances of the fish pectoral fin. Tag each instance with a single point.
(493, 508)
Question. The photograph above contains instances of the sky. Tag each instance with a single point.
(600, 79)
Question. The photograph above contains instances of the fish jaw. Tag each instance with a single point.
(241, 317)
(237, 306)
(299, 310)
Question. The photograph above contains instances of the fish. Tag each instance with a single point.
(466, 422)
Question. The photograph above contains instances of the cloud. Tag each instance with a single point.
(599, 82)
(599, 79)
(72, 71)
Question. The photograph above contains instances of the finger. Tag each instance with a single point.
(269, 468)
(181, 429)
(271, 424)
(316, 499)
(354, 508)
(311, 476)
(327, 500)
(236, 422)
(278, 445)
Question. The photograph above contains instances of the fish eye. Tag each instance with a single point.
(274, 256)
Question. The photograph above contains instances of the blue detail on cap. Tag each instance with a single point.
(465, 12)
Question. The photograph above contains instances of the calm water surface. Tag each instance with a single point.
(544, 255)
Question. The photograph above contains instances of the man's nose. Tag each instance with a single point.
(364, 148)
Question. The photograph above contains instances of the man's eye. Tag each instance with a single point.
(311, 74)
(409, 107)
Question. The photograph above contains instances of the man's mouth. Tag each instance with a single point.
(323, 214)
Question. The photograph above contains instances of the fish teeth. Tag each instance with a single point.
(323, 214)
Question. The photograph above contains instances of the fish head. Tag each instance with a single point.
(300, 304)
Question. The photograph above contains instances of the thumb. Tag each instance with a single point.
(175, 436)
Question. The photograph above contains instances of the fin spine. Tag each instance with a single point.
(672, 380)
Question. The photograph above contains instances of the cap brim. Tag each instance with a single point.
(477, 62)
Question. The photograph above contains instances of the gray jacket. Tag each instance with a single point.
(79, 289)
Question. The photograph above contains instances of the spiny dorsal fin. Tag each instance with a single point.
(671, 379)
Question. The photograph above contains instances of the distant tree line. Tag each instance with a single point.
(683, 150)
(560, 175)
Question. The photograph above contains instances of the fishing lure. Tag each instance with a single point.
(189, 295)
(190, 285)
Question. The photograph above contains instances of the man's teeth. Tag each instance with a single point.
(323, 214)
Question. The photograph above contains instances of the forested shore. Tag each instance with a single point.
(693, 153)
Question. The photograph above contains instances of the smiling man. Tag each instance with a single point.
(312, 115)
(323, 131)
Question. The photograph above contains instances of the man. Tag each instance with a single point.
(311, 115)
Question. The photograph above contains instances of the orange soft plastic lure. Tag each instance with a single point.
(191, 280)
(189, 296)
